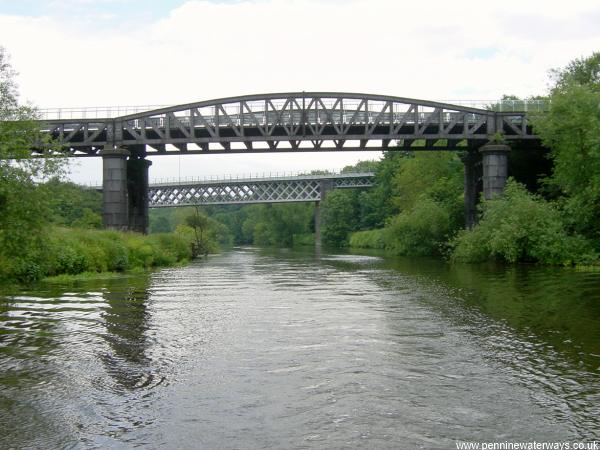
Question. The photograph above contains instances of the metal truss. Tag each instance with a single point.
(307, 188)
(322, 121)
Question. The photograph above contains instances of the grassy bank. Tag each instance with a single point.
(72, 251)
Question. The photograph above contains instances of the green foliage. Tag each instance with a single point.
(521, 227)
(338, 218)
(160, 224)
(368, 239)
(276, 224)
(205, 231)
(426, 172)
(571, 128)
(421, 231)
(23, 203)
(306, 240)
(88, 219)
(73, 205)
(581, 71)
(261, 224)
(73, 251)
(362, 166)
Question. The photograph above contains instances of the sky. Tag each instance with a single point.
(79, 53)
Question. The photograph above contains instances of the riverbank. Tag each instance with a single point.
(70, 252)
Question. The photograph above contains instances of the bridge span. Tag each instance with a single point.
(290, 122)
(299, 188)
(302, 121)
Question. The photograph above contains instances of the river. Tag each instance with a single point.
(286, 349)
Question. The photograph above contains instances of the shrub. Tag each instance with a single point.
(368, 239)
(421, 231)
(521, 226)
(73, 251)
(307, 239)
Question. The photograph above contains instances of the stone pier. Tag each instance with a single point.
(137, 188)
(495, 169)
(473, 175)
(115, 210)
(125, 189)
(325, 187)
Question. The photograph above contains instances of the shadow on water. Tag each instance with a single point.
(560, 306)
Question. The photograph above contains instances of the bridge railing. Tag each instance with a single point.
(93, 112)
(337, 173)
(258, 110)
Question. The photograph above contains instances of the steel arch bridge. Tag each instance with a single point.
(301, 188)
(292, 122)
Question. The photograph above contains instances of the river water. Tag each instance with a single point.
(287, 349)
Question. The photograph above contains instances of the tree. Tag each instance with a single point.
(24, 208)
(581, 71)
(200, 224)
(339, 218)
(571, 129)
(73, 205)
(277, 224)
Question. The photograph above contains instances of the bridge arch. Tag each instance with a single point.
(296, 121)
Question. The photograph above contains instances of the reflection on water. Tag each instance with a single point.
(283, 349)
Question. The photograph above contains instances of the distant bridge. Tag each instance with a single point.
(300, 188)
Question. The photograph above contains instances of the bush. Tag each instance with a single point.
(307, 239)
(422, 231)
(368, 239)
(73, 251)
(521, 226)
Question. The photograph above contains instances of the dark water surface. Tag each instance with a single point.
(281, 349)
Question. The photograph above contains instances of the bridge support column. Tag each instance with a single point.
(115, 211)
(495, 169)
(318, 225)
(137, 187)
(325, 187)
(472, 162)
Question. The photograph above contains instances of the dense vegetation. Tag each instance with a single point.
(50, 227)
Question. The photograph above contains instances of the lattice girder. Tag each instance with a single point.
(277, 190)
(323, 121)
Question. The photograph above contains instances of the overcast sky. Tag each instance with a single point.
(148, 52)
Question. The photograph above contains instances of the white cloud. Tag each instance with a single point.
(204, 50)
